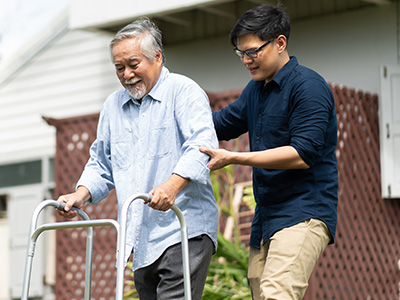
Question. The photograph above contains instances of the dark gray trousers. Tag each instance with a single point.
(163, 280)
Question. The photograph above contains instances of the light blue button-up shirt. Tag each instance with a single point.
(139, 146)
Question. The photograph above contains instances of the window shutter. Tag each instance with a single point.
(390, 131)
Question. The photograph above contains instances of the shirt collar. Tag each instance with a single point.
(157, 91)
(283, 74)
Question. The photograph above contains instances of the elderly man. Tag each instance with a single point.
(148, 140)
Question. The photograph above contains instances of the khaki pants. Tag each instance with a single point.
(280, 269)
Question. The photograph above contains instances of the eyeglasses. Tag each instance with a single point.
(251, 53)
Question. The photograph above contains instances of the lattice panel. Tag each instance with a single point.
(362, 264)
(74, 137)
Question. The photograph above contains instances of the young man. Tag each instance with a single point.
(148, 140)
(289, 112)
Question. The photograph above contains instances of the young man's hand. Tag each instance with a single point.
(219, 158)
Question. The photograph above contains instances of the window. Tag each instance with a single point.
(21, 173)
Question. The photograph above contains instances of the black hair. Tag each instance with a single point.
(265, 21)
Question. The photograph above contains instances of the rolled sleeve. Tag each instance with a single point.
(309, 122)
(193, 168)
(197, 130)
(95, 184)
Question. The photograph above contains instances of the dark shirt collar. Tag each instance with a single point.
(281, 77)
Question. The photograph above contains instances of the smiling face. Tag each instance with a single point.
(135, 71)
(270, 59)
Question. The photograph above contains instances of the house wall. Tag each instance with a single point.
(70, 77)
(109, 11)
(346, 48)
(349, 48)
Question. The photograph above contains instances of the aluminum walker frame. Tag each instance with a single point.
(35, 231)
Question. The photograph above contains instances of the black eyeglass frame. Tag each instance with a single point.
(251, 53)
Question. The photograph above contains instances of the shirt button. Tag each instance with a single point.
(143, 115)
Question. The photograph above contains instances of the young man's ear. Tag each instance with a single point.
(281, 42)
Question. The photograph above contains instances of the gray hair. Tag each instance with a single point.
(148, 34)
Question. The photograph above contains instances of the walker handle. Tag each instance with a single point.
(148, 198)
(60, 205)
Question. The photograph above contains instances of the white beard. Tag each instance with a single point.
(138, 92)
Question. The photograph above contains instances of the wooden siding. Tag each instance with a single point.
(72, 76)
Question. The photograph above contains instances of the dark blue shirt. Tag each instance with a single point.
(295, 108)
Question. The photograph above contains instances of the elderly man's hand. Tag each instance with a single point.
(165, 194)
(76, 199)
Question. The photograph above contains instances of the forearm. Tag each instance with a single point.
(178, 182)
(83, 193)
(284, 158)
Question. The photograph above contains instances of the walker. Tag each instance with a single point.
(35, 231)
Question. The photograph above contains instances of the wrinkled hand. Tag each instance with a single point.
(163, 197)
(219, 158)
(165, 194)
(76, 199)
